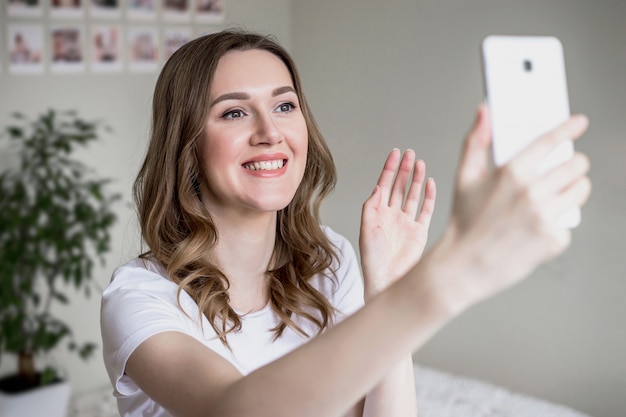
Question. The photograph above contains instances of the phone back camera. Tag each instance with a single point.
(528, 65)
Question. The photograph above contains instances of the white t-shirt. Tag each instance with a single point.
(141, 301)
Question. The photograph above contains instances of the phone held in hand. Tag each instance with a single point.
(526, 90)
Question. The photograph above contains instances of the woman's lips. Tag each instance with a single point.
(267, 165)
(271, 165)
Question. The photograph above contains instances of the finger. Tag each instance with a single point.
(385, 180)
(474, 157)
(428, 206)
(415, 190)
(562, 176)
(529, 158)
(402, 179)
(576, 195)
(371, 205)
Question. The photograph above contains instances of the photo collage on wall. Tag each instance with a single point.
(100, 36)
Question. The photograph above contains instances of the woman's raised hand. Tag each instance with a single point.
(505, 222)
(394, 228)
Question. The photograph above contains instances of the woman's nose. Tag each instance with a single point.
(267, 131)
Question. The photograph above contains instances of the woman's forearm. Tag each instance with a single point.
(394, 395)
(328, 375)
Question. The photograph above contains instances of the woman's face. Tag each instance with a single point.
(254, 149)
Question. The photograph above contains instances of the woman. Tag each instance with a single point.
(246, 306)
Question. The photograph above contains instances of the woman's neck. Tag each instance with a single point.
(243, 252)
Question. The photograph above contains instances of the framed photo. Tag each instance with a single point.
(25, 49)
(143, 49)
(209, 11)
(28, 8)
(107, 9)
(67, 49)
(141, 9)
(106, 48)
(176, 10)
(66, 9)
(174, 38)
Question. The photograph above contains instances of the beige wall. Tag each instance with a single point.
(406, 73)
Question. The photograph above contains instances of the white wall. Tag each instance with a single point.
(406, 73)
(122, 101)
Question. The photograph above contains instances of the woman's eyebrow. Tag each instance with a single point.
(230, 96)
(245, 96)
(282, 90)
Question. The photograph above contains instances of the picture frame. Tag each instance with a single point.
(25, 49)
(209, 11)
(176, 10)
(142, 10)
(67, 48)
(67, 9)
(24, 8)
(105, 9)
(106, 48)
(174, 38)
(143, 49)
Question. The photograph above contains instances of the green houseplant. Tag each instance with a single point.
(55, 221)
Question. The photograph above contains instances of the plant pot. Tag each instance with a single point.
(45, 401)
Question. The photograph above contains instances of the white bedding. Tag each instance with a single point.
(439, 394)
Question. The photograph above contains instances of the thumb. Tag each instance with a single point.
(474, 157)
(370, 209)
(374, 201)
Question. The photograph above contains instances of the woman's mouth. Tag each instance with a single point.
(270, 165)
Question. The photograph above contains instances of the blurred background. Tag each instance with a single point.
(406, 74)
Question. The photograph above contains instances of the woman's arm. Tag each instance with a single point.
(503, 225)
(324, 377)
(394, 231)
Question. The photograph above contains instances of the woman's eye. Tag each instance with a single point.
(233, 114)
(285, 107)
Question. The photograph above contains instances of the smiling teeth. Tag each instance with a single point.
(265, 165)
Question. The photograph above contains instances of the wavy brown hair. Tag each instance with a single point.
(178, 228)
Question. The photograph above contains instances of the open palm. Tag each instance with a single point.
(394, 228)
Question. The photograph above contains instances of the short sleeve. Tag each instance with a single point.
(138, 303)
(348, 296)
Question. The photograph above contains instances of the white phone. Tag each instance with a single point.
(527, 95)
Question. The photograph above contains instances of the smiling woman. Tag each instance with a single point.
(254, 121)
(245, 305)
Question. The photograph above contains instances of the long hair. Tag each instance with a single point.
(177, 227)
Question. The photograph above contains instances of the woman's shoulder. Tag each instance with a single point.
(141, 265)
(337, 239)
(345, 291)
(344, 248)
(141, 274)
(142, 284)
(346, 261)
